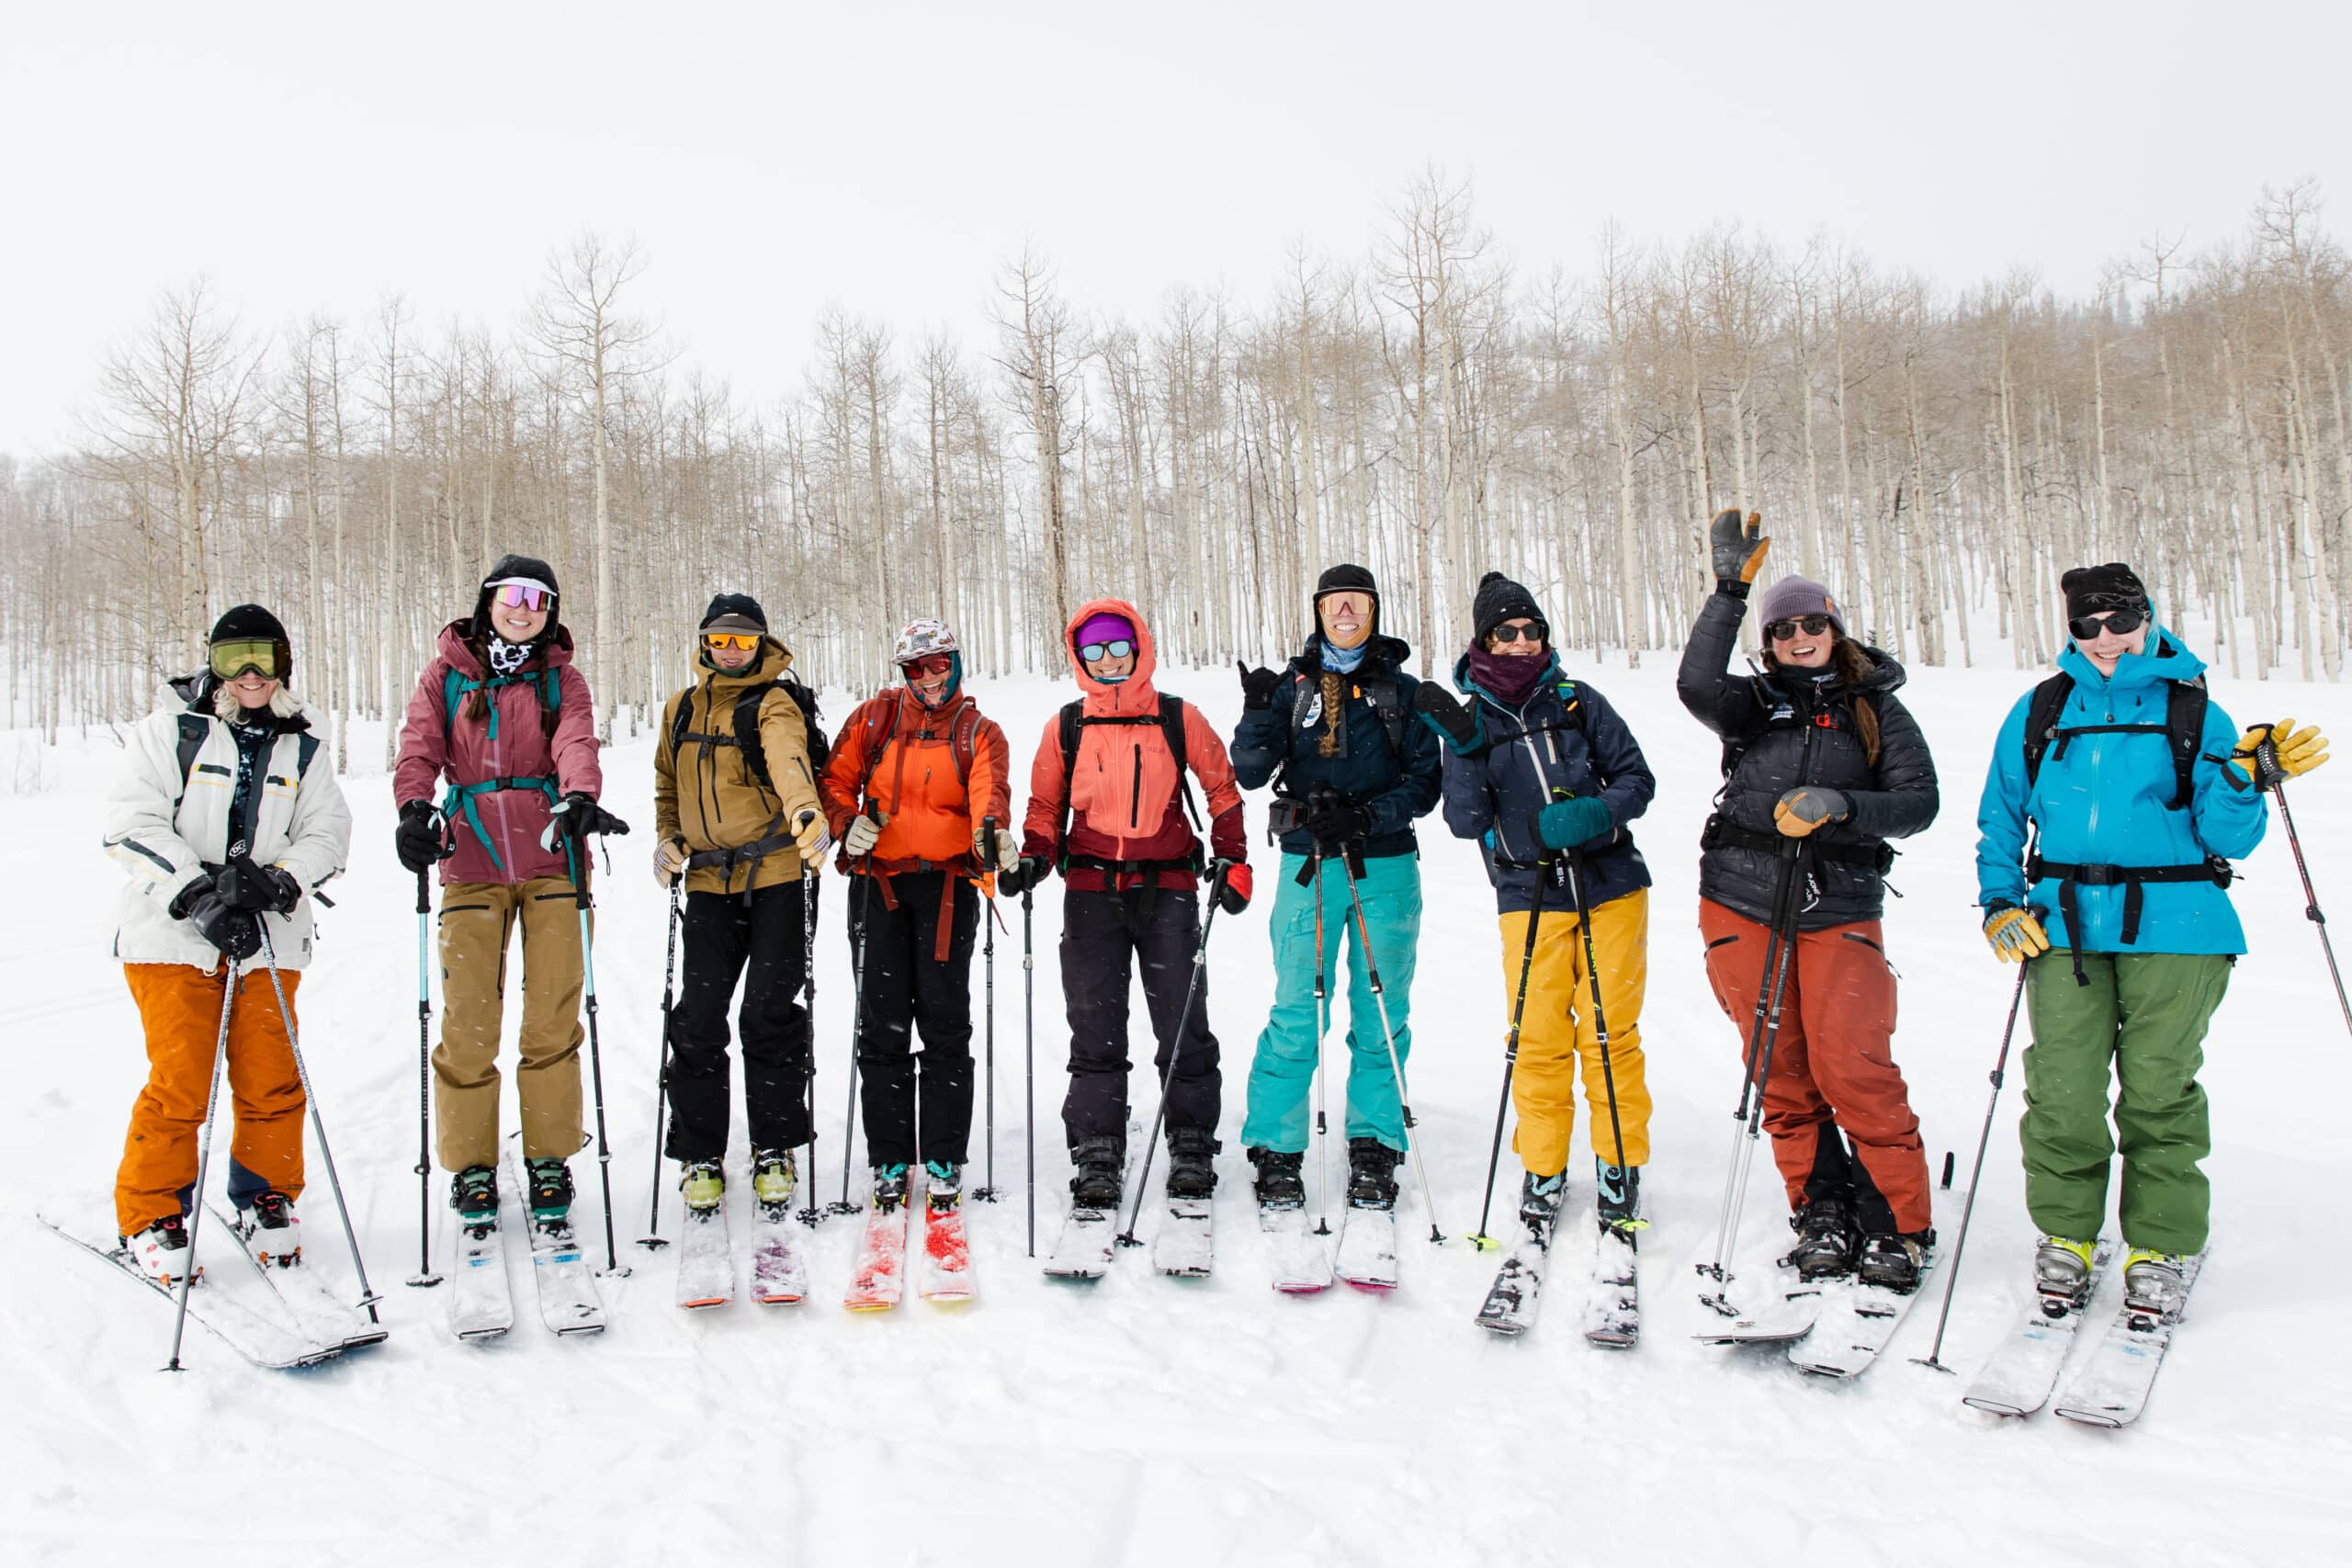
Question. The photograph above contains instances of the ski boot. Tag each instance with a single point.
(943, 1184)
(1827, 1244)
(1192, 1171)
(703, 1185)
(2153, 1282)
(1279, 1182)
(775, 1177)
(161, 1251)
(1620, 1190)
(889, 1187)
(474, 1192)
(1099, 1163)
(1895, 1261)
(1371, 1174)
(2061, 1273)
(549, 1184)
(1540, 1197)
(273, 1231)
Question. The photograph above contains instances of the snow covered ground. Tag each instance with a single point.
(1144, 1420)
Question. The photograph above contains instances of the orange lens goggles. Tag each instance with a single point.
(745, 641)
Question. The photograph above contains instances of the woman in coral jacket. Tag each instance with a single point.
(504, 715)
(914, 773)
(228, 817)
(1110, 811)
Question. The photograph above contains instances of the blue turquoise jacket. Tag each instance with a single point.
(2107, 802)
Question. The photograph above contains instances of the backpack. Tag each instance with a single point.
(746, 730)
(2183, 729)
(454, 687)
(1170, 719)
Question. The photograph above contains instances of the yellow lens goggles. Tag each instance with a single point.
(231, 660)
(742, 641)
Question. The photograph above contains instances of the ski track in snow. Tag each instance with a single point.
(1145, 1420)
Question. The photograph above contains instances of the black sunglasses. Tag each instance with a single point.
(2122, 623)
(1518, 634)
(1780, 631)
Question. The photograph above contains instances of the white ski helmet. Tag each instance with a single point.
(922, 637)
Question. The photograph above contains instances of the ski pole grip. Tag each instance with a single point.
(423, 892)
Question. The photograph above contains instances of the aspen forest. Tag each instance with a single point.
(1432, 407)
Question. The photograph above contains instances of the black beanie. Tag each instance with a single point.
(1347, 578)
(735, 613)
(1499, 600)
(2094, 590)
(251, 623)
(516, 566)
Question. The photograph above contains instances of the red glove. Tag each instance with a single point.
(1233, 886)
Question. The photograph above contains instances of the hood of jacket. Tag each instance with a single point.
(2162, 656)
(555, 649)
(1134, 694)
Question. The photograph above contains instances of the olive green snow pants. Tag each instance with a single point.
(2146, 1013)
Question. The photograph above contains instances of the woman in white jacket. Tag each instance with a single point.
(228, 817)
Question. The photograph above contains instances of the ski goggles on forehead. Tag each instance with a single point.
(930, 664)
(1813, 626)
(2122, 623)
(518, 594)
(741, 641)
(231, 660)
(1117, 648)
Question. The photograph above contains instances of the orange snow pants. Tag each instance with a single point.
(180, 1006)
(1833, 1067)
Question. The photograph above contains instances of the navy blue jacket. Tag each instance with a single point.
(1566, 736)
(1393, 783)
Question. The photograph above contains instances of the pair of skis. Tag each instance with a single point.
(1185, 1247)
(275, 1317)
(706, 1257)
(2111, 1388)
(877, 1283)
(1613, 1313)
(481, 1305)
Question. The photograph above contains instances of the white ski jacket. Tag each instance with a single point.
(167, 819)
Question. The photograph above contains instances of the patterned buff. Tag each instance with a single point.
(506, 657)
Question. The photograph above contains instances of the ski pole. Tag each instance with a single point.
(1959, 1243)
(1029, 1029)
(203, 1164)
(425, 1276)
(1353, 862)
(856, 1030)
(1168, 1074)
(1322, 1085)
(1748, 1119)
(809, 1215)
(1599, 1019)
(653, 1240)
(368, 1297)
(580, 866)
(2311, 900)
(1480, 1239)
(987, 1194)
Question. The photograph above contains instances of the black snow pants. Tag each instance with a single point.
(762, 939)
(907, 989)
(1103, 935)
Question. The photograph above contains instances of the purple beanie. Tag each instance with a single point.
(1798, 596)
(1102, 627)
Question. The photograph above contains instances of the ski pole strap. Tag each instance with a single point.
(1877, 857)
(2131, 878)
(460, 802)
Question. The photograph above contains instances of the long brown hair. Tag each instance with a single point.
(1853, 667)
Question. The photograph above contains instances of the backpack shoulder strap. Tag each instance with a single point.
(193, 731)
(887, 724)
(2184, 705)
(453, 686)
(1171, 728)
(1388, 703)
(746, 725)
(2042, 717)
(306, 747)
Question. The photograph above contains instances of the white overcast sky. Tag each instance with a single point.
(776, 158)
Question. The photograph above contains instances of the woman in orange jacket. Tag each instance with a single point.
(913, 775)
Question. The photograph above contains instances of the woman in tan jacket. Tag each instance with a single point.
(735, 800)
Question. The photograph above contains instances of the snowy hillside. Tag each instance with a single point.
(1143, 1420)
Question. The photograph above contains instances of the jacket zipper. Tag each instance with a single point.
(1135, 797)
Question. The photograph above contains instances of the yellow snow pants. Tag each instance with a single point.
(1559, 1033)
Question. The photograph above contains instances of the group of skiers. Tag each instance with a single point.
(2116, 793)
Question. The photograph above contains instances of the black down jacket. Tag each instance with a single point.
(1793, 727)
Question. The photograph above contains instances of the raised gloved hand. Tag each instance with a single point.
(258, 889)
(1027, 872)
(419, 840)
(1258, 686)
(1004, 856)
(2270, 754)
(1334, 822)
(577, 815)
(810, 836)
(1803, 809)
(669, 859)
(2015, 934)
(236, 933)
(863, 831)
(1459, 727)
(1565, 824)
(1738, 546)
(1231, 885)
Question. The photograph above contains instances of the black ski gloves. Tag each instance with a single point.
(185, 899)
(1030, 872)
(1334, 823)
(418, 840)
(258, 889)
(1461, 728)
(1231, 884)
(1738, 546)
(578, 816)
(236, 933)
(1258, 687)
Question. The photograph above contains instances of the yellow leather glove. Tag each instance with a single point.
(863, 832)
(2015, 934)
(810, 835)
(2292, 752)
(1736, 547)
(669, 859)
(1803, 809)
